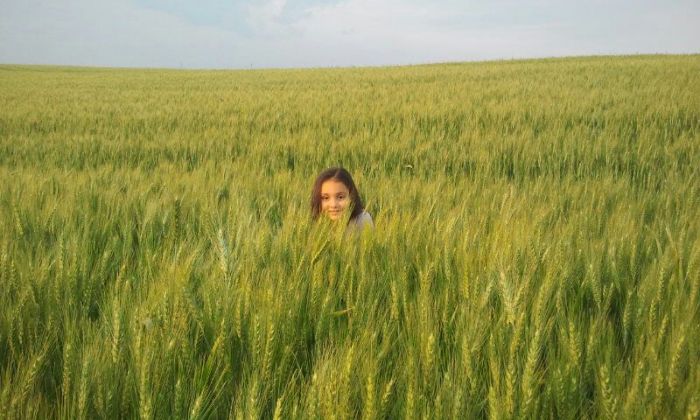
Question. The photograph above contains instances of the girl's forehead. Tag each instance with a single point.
(333, 186)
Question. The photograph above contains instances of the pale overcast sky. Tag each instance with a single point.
(323, 33)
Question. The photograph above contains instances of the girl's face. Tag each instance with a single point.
(335, 198)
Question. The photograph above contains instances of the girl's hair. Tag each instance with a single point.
(340, 175)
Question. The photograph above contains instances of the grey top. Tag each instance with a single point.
(362, 220)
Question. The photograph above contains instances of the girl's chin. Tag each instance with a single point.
(334, 216)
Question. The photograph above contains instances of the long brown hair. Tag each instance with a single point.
(340, 175)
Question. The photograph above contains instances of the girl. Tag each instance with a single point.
(333, 194)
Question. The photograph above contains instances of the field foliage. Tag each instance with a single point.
(536, 251)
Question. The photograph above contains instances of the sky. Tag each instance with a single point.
(332, 33)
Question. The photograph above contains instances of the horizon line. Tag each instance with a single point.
(348, 67)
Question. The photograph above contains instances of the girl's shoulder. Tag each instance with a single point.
(363, 219)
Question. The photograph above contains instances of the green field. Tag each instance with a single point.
(536, 251)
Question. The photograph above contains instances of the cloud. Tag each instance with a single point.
(265, 15)
(380, 32)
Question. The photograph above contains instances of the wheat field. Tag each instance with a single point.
(536, 250)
